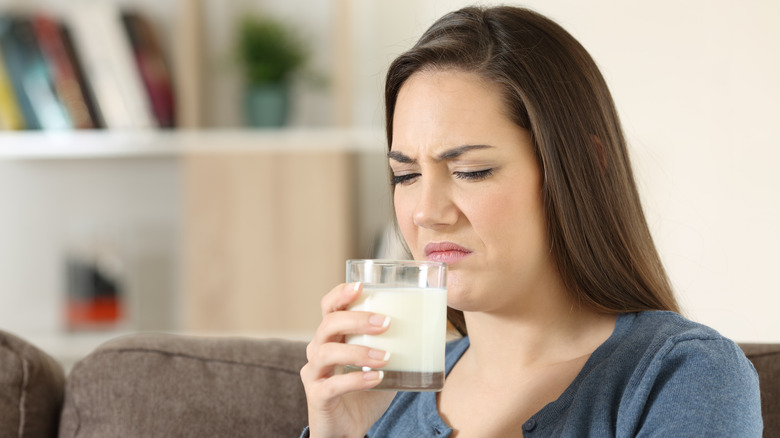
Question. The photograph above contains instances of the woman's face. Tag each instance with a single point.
(468, 190)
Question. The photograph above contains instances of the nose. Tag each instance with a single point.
(435, 208)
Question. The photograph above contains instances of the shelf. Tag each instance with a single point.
(101, 144)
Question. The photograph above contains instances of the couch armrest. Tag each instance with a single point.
(766, 360)
(31, 390)
(157, 385)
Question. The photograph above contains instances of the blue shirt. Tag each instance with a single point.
(657, 375)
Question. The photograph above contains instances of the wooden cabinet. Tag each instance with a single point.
(265, 235)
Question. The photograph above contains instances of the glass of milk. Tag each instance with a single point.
(414, 295)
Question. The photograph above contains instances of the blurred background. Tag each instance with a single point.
(183, 185)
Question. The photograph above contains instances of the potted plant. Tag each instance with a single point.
(270, 52)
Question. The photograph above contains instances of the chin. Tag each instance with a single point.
(456, 295)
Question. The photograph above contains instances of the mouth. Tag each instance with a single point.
(446, 252)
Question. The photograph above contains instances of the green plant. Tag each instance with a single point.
(269, 50)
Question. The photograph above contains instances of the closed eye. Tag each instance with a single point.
(404, 179)
(478, 175)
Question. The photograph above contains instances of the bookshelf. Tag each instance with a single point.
(172, 181)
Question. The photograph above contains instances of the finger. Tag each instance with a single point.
(335, 326)
(327, 349)
(340, 297)
(335, 386)
(332, 355)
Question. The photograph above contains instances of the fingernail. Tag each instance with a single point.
(379, 320)
(353, 289)
(373, 375)
(379, 354)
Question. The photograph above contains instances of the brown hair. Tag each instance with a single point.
(600, 240)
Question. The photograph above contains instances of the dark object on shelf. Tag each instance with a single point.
(93, 296)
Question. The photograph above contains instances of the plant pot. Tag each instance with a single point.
(267, 105)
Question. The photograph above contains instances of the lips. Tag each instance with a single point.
(446, 252)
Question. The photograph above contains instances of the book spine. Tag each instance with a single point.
(152, 67)
(14, 60)
(11, 117)
(32, 78)
(62, 71)
(78, 70)
(109, 66)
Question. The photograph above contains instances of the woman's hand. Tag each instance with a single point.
(338, 405)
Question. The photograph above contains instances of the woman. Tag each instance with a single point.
(507, 155)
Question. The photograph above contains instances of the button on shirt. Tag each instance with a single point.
(658, 375)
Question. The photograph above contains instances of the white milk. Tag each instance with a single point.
(418, 325)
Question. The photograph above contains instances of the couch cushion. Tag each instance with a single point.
(31, 390)
(156, 385)
(766, 360)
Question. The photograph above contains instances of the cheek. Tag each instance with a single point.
(487, 213)
(506, 220)
(405, 218)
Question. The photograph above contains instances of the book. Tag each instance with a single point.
(63, 71)
(11, 117)
(109, 65)
(78, 69)
(40, 104)
(12, 58)
(151, 66)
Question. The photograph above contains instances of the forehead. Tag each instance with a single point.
(441, 92)
(448, 108)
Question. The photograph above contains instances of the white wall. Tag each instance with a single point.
(696, 84)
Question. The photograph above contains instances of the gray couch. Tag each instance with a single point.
(155, 385)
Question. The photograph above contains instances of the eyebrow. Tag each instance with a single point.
(446, 155)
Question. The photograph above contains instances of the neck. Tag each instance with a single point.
(542, 335)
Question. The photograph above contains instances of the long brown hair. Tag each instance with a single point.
(600, 240)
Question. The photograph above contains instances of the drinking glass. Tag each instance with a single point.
(414, 295)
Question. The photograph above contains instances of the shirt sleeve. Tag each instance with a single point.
(701, 387)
